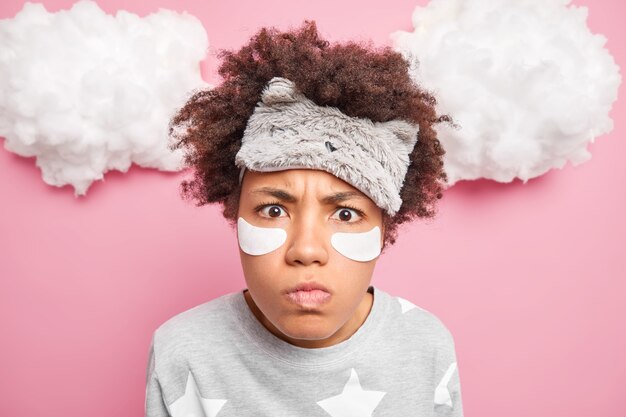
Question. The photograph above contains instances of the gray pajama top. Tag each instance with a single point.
(217, 359)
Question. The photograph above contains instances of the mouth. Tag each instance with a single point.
(309, 294)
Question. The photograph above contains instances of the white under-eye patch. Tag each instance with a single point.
(255, 240)
(361, 247)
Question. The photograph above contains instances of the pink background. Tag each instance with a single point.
(528, 277)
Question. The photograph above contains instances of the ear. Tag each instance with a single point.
(404, 131)
(279, 90)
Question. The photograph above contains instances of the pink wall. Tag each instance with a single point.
(529, 278)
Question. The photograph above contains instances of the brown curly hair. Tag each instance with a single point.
(354, 77)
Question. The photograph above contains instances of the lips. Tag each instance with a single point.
(309, 294)
(308, 286)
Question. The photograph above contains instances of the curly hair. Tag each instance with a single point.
(355, 77)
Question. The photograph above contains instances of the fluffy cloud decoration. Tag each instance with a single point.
(85, 92)
(527, 83)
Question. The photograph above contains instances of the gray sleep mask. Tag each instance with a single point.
(289, 131)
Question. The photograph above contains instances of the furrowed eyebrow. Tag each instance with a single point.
(277, 193)
(288, 198)
(342, 196)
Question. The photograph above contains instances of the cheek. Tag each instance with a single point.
(361, 247)
(259, 240)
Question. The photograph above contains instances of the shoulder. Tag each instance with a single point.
(198, 324)
(411, 319)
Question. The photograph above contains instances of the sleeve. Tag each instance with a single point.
(447, 401)
(154, 403)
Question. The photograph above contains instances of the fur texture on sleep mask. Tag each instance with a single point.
(289, 131)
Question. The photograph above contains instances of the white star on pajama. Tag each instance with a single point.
(191, 404)
(407, 305)
(442, 394)
(353, 400)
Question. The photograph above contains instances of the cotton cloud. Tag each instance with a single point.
(527, 82)
(86, 92)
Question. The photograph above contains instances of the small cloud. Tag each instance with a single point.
(527, 82)
(85, 92)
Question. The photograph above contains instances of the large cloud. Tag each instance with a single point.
(527, 82)
(86, 92)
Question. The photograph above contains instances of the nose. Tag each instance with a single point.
(308, 242)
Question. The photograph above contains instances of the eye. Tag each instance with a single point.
(270, 210)
(346, 214)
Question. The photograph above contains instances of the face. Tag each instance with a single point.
(302, 226)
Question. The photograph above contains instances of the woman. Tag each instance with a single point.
(317, 153)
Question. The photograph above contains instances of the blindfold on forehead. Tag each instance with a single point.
(289, 131)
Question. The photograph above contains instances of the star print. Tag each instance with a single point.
(406, 305)
(442, 394)
(191, 404)
(353, 400)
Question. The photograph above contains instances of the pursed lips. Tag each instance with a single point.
(309, 294)
(309, 286)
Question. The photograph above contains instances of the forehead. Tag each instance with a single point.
(293, 179)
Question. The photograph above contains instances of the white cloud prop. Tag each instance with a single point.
(86, 92)
(527, 82)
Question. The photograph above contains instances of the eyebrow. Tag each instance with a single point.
(288, 198)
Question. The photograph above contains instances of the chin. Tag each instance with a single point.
(307, 330)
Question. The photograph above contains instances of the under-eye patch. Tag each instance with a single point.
(360, 247)
(255, 240)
